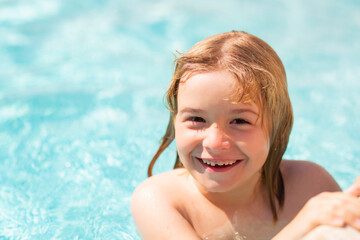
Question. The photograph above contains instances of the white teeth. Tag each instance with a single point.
(220, 164)
(230, 163)
(206, 162)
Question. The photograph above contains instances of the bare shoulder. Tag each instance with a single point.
(156, 207)
(159, 188)
(302, 181)
(307, 177)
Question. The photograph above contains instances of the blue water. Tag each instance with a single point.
(81, 99)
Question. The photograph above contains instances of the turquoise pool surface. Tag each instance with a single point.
(81, 99)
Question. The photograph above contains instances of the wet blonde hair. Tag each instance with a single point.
(262, 79)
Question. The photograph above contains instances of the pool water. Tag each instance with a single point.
(81, 99)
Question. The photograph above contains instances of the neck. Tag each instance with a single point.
(247, 194)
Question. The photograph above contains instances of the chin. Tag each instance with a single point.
(211, 185)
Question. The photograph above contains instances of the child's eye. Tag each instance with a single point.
(196, 119)
(239, 121)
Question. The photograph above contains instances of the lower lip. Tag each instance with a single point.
(218, 169)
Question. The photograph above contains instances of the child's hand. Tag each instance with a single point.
(334, 209)
(329, 208)
(354, 190)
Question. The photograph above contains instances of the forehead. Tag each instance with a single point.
(211, 89)
(235, 87)
(204, 82)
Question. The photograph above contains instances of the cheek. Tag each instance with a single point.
(181, 139)
(258, 143)
(263, 146)
(186, 140)
(263, 140)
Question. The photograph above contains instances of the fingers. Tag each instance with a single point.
(335, 209)
(353, 218)
(354, 189)
(348, 213)
(357, 181)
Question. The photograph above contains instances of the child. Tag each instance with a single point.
(231, 119)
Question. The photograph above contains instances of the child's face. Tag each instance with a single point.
(210, 128)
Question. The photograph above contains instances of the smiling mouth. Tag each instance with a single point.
(219, 165)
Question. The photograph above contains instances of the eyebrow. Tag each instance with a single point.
(191, 110)
(235, 111)
(238, 111)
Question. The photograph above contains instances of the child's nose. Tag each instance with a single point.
(216, 138)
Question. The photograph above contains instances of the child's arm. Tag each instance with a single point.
(156, 216)
(335, 209)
